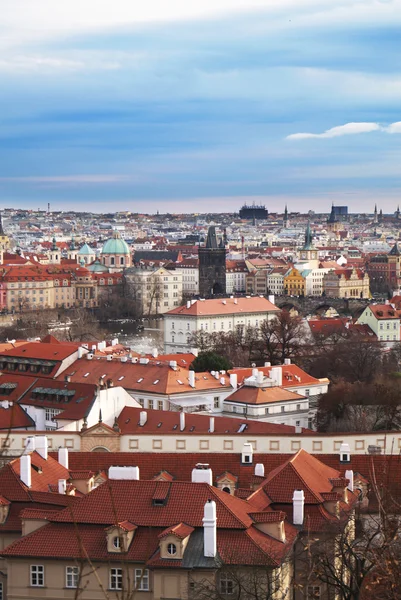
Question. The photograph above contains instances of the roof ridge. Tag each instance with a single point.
(214, 490)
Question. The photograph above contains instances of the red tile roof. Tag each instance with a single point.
(227, 306)
(255, 395)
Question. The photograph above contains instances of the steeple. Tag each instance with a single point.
(375, 219)
(72, 245)
(285, 218)
(211, 240)
(308, 238)
(54, 247)
(380, 216)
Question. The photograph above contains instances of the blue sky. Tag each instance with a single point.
(197, 106)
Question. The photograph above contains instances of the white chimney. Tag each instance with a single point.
(210, 529)
(350, 475)
(211, 426)
(62, 486)
(42, 446)
(234, 381)
(63, 457)
(260, 470)
(235, 301)
(247, 454)
(173, 364)
(277, 375)
(143, 417)
(223, 380)
(30, 444)
(345, 453)
(182, 421)
(287, 361)
(271, 298)
(202, 474)
(191, 378)
(268, 364)
(109, 357)
(298, 505)
(155, 353)
(80, 352)
(25, 469)
(254, 373)
(89, 356)
(217, 375)
(188, 304)
(260, 377)
(126, 473)
(114, 342)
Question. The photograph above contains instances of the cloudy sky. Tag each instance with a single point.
(199, 105)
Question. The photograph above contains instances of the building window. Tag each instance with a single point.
(160, 405)
(116, 542)
(37, 575)
(71, 577)
(116, 579)
(226, 585)
(142, 580)
(180, 444)
(216, 402)
(150, 405)
(172, 549)
(133, 444)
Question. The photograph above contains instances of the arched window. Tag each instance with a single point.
(172, 549)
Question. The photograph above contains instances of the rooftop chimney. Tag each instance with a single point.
(126, 473)
(287, 361)
(345, 453)
(260, 470)
(155, 353)
(350, 475)
(298, 505)
(182, 421)
(188, 304)
(260, 377)
(277, 375)
(211, 426)
(268, 364)
(247, 454)
(143, 417)
(210, 529)
(25, 469)
(191, 378)
(62, 486)
(202, 474)
(63, 457)
(271, 298)
(234, 380)
(42, 446)
(80, 352)
(30, 444)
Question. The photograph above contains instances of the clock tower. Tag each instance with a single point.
(308, 254)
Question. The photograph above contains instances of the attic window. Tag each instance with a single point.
(121, 378)
(180, 382)
(140, 379)
(158, 502)
(242, 428)
(160, 424)
(192, 428)
(86, 374)
(156, 382)
(175, 427)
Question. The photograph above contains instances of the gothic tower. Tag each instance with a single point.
(286, 220)
(212, 266)
(375, 217)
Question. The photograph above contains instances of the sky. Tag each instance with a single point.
(200, 106)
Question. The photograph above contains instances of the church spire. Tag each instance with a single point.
(308, 238)
(54, 247)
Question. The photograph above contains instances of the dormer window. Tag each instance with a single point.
(172, 549)
(117, 542)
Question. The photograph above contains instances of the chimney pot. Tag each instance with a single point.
(191, 378)
(182, 421)
(143, 417)
(234, 380)
(211, 426)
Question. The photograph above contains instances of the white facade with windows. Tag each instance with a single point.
(156, 290)
(190, 276)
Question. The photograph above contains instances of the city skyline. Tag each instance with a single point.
(200, 108)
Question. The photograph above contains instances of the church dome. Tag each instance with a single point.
(86, 250)
(97, 267)
(115, 245)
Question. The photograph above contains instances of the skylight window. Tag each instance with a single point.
(180, 382)
(242, 428)
(140, 379)
(121, 378)
(86, 374)
(156, 382)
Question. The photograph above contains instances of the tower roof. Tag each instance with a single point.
(395, 251)
(211, 241)
(308, 238)
(1, 225)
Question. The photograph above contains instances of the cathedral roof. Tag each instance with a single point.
(115, 245)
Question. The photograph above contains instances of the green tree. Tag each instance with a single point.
(210, 361)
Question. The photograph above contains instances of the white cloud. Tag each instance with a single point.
(348, 129)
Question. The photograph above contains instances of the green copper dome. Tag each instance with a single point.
(115, 245)
(97, 267)
(86, 250)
